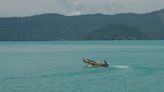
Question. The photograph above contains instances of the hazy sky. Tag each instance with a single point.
(76, 7)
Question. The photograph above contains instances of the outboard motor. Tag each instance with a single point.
(105, 64)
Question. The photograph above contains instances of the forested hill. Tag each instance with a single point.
(125, 26)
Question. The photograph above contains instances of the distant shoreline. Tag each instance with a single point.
(54, 27)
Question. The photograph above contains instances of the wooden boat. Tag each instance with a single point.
(94, 63)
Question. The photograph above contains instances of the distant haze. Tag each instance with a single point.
(10, 8)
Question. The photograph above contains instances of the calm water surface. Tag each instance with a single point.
(137, 66)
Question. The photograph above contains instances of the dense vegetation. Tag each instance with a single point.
(116, 32)
(126, 26)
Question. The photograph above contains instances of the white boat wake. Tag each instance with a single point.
(121, 67)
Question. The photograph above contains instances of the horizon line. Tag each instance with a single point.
(79, 14)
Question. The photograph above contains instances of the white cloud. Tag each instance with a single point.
(81, 7)
(75, 13)
(71, 6)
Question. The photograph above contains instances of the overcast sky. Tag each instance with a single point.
(76, 7)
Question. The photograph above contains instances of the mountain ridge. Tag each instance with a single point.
(54, 26)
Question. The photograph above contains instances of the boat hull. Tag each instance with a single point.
(94, 63)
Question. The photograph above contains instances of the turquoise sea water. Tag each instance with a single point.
(137, 66)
